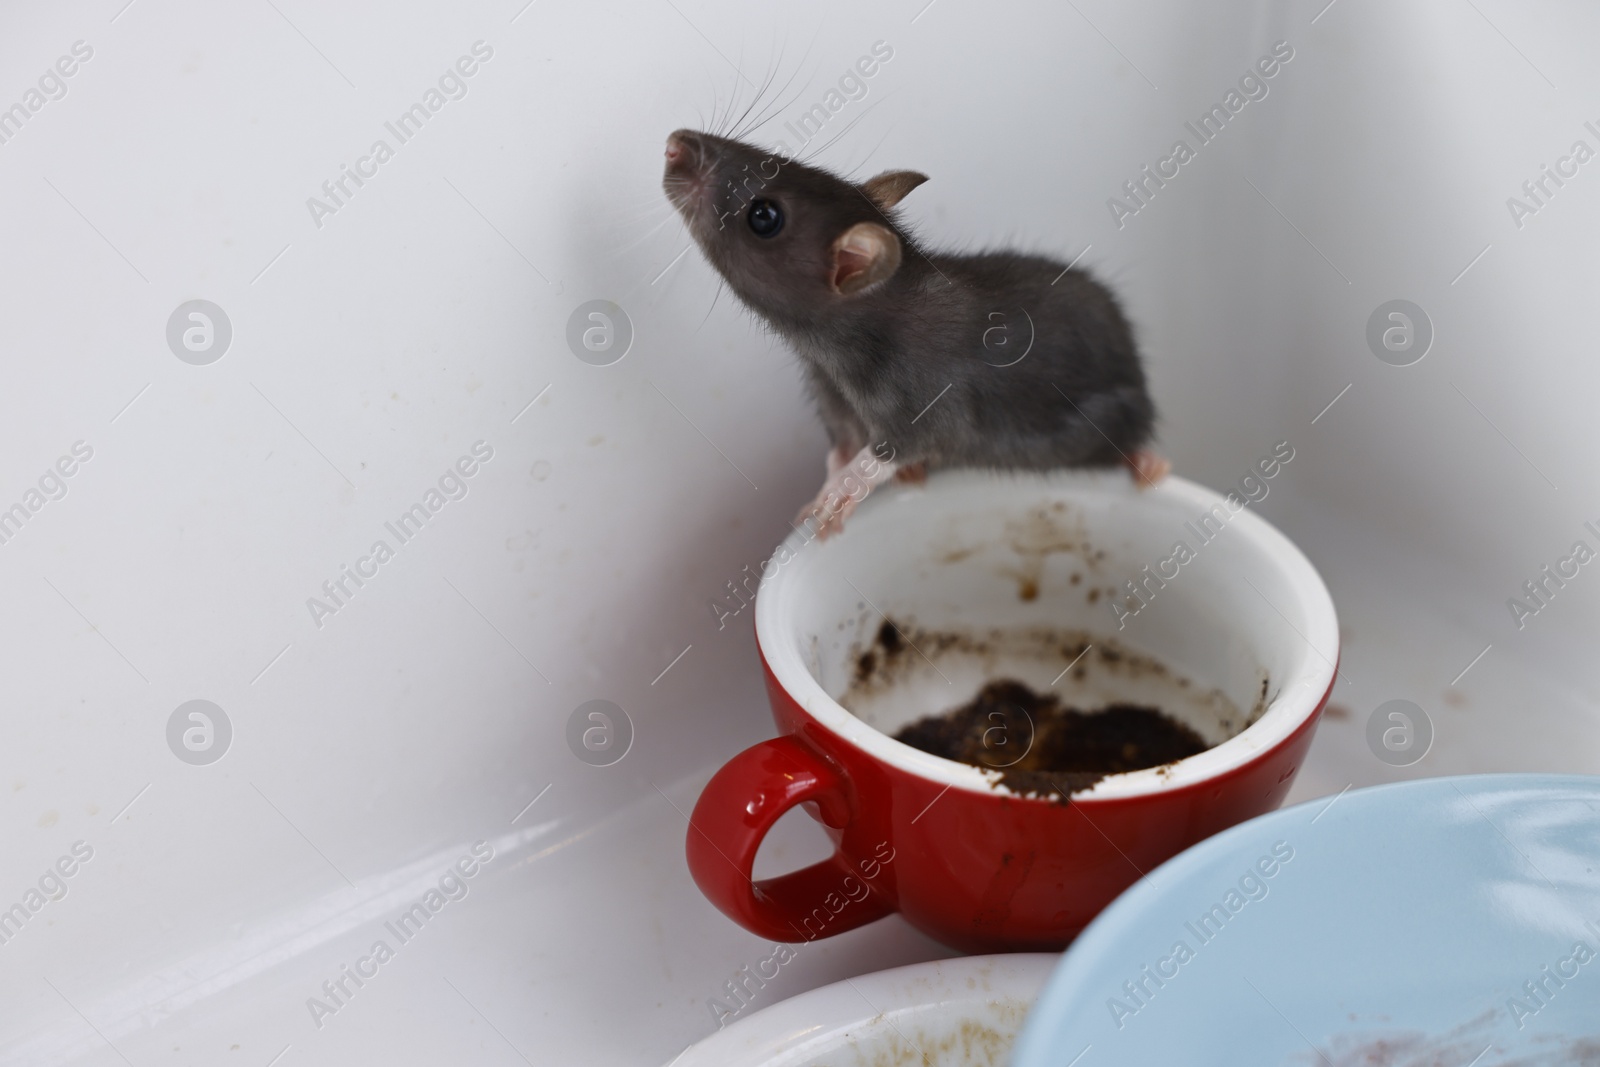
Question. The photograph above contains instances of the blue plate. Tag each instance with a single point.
(1447, 921)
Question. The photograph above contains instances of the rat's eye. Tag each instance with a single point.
(766, 218)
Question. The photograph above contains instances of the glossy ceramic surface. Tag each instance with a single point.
(1445, 921)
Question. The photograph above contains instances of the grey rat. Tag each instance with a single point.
(999, 360)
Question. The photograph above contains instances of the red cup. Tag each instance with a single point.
(1015, 564)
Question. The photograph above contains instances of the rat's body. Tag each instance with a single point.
(932, 361)
(997, 360)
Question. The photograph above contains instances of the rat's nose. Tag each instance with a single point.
(685, 179)
(680, 148)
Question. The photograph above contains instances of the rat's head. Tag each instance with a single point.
(789, 238)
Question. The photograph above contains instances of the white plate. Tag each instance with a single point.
(962, 1012)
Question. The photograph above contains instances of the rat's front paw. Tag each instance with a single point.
(810, 514)
(1148, 468)
(825, 515)
(847, 485)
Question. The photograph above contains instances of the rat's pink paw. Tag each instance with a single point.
(1148, 468)
(847, 485)
(826, 513)
(825, 516)
(813, 512)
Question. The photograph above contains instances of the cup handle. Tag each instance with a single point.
(738, 807)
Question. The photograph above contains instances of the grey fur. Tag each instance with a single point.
(875, 360)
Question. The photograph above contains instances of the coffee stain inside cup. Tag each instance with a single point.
(1048, 712)
(1042, 531)
(1041, 746)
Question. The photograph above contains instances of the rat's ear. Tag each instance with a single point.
(863, 256)
(891, 187)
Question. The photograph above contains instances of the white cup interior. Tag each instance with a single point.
(1008, 576)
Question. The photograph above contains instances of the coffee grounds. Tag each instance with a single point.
(1040, 747)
